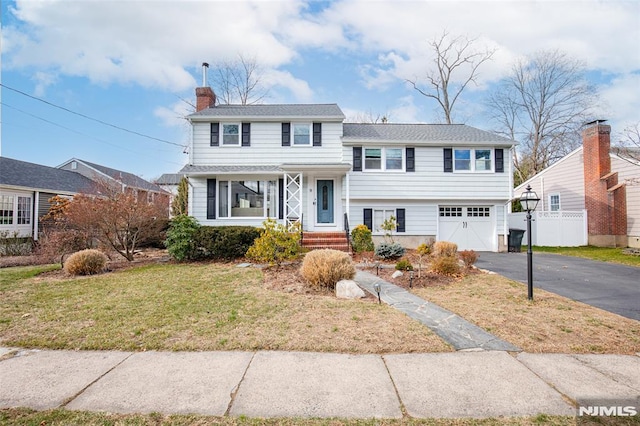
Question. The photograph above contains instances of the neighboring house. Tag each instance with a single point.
(169, 182)
(301, 163)
(605, 185)
(128, 181)
(25, 190)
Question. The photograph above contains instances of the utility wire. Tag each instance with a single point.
(91, 118)
(74, 131)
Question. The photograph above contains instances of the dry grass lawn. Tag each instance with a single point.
(549, 323)
(194, 307)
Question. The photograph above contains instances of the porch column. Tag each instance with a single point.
(347, 204)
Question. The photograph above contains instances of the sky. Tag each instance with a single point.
(111, 81)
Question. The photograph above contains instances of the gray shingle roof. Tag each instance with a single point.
(128, 179)
(169, 179)
(276, 111)
(191, 169)
(35, 176)
(428, 133)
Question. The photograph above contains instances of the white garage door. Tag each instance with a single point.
(470, 227)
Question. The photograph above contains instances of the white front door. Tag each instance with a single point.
(470, 227)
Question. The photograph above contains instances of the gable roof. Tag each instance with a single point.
(42, 178)
(449, 134)
(169, 179)
(272, 112)
(129, 179)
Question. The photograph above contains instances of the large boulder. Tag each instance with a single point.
(348, 289)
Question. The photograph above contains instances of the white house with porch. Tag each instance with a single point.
(302, 163)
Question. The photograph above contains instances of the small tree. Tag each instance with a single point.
(120, 220)
(180, 204)
(388, 226)
(180, 237)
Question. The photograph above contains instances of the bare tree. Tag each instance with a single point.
(457, 64)
(628, 147)
(542, 104)
(369, 117)
(239, 81)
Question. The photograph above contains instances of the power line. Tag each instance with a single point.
(73, 130)
(91, 118)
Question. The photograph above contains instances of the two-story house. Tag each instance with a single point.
(302, 163)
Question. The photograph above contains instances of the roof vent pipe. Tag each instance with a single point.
(204, 73)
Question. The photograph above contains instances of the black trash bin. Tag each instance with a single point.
(515, 240)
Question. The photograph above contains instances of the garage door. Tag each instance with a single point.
(470, 227)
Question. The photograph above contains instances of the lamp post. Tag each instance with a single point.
(529, 201)
(376, 287)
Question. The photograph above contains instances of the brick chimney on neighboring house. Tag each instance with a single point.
(604, 198)
(205, 98)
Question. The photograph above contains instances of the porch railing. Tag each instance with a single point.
(347, 232)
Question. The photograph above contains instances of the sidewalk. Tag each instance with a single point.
(300, 384)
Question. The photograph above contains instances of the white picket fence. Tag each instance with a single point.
(556, 229)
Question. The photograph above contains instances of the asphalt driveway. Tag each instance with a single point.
(612, 287)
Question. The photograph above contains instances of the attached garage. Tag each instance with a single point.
(470, 227)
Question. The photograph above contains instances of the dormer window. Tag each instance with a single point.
(231, 134)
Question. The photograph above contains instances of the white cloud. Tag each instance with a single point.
(621, 101)
(298, 89)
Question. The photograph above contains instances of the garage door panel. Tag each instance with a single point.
(470, 227)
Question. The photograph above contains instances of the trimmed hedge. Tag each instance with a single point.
(224, 242)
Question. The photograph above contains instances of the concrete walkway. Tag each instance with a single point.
(453, 329)
(300, 384)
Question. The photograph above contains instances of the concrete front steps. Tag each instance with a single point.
(325, 240)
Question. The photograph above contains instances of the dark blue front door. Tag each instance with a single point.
(324, 201)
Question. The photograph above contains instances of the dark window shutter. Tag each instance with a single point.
(448, 160)
(286, 134)
(317, 134)
(400, 216)
(215, 134)
(499, 154)
(246, 134)
(211, 198)
(411, 159)
(280, 198)
(357, 158)
(368, 218)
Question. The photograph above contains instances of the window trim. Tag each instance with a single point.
(472, 160)
(293, 134)
(21, 211)
(222, 134)
(555, 194)
(265, 202)
(375, 231)
(383, 159)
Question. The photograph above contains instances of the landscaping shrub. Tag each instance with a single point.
(386, 250)
(324, 268)
(404, 265)
(469, 257)
(276, 244)
(444, 249)
(180, 240)
(225, 242)
(445, 265)
(361, 239)
(13, 245)
(86, 262)
(55, 243)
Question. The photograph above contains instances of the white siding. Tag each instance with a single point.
(420, 219)
(266, 147)
(428, 182)
(630, 174)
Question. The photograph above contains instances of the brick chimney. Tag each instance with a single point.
(205, 98)
(604, 198)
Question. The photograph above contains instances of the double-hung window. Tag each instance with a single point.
(15, 210)
(554, 202)
(384, 159)
(231, 134)
(301, 134)
(472, 160)
(379, 216)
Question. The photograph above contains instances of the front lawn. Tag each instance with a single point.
(605, 254)
(194, 307)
